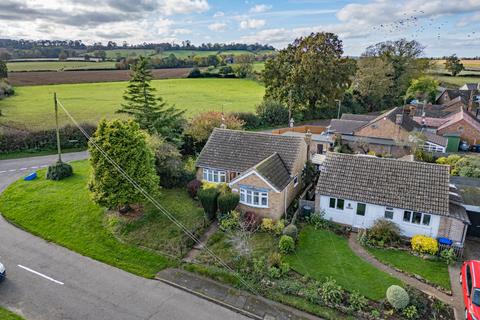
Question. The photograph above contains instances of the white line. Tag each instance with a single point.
(23, 169)
(12, 170)
(3, 171)
(41, 275)
(34, 167)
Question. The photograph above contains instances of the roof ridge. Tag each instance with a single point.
(358, 155)
(258, 133)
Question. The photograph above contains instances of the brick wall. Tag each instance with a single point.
(470, 134)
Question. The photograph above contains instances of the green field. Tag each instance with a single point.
(62, 212)
(58, 65)
(32, 106)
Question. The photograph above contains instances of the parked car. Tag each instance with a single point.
(475, 148)
(3, 272)
(470, 280)
(464, 146)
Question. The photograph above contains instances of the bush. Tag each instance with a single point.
(275, 259)
(230, 221)
(289, 286)
(286, 244)
(410, 312)
(227, 202)
(397, 297)
(270, 226)
(273, 113)
(357, 301)
(193, 187)
(331, 292)
(383, 232)
(251, 120)
(170, 166)
(424, 245)
(317, 220)
(195, 73)
(59, 170)
(449, 256)
(291, 230)
(208, 199)
(5, 89)
(250, 220)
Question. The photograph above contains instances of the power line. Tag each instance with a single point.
(153, 200)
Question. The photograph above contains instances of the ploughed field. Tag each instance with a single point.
(43, 78)
(32, 106)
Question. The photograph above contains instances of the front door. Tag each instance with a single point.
(359, 215)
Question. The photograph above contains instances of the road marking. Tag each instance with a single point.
(41, 275)
(3, 171)
(12, 170)
(22, 169)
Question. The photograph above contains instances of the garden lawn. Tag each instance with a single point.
(322, 253)
(7, 315)
(32, 106)
(155, 231)
(435, 271)
(62, 212)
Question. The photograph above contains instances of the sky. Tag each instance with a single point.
(444, 27)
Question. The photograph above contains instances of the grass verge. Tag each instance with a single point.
(435, 271)
(35, 153)
(62, 212)
(322, 253)
(7, 315)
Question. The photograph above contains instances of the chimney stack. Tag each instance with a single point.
(308, 140)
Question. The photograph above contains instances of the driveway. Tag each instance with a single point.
(49, 282)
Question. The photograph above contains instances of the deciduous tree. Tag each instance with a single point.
(203, 124)
(126, 145)
(423, 89)
(454, 65)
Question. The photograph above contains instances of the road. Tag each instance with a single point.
(48, 282)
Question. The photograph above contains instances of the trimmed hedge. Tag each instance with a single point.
(208, 199)
(227, 202)
(15, 139)
(59, 170)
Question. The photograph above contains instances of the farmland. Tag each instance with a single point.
(470, 74)
(89, 102)
(58, 65)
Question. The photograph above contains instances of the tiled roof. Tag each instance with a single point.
(464, 94)
(431, 110)
(273, 169)
(241, 150)
(345, 126)
(407, 122)
(438, 140)
(430, 122)
(408, 185)
(461, 115)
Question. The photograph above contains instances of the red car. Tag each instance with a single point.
(470, 280)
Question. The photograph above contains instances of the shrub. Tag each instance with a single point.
(270, 226)
(357, 301)
(258, 267)
(227, 202)
(331, 292)
(274, 273)
(424, 245)
(251, 120)
(5, 89)
(449, 256)
(286, 244)
(170, 166)
(208, 185)
(290, 286)
(208, 199)
(410, 312)
(397, 297)
(195, 73)
(193, 187)
(291, 230)
(59, 170)
(273, 113)
(250, 220)
(275, 259)
(230, 221)
(383, 232)
(310, 292)
(317, 220)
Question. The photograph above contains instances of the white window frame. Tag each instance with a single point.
(295, 181)
(421, 223)
(248, 197)
(389, 210)
(336, 203)
(215, 176)
(432, 147)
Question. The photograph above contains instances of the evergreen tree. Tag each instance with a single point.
(3, 69)
(126, 144)
(149, 111)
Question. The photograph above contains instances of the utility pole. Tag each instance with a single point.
(339, 105)
(58, 131)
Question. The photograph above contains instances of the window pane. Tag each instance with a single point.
(242, 195)
(210, 176)
(361, 207)
(264, 199)
(407, 215)
(417, 217)
(215, 176)
(388, 214)
(340, 203)
(256, 200)
(332, 202)
(249, 197)
(426, 219)
(205, 174)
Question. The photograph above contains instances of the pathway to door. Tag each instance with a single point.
(197, 248)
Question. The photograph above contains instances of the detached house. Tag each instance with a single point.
(356, 190)
(265, 169)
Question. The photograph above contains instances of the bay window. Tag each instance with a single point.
(217, 176)
(254, 198)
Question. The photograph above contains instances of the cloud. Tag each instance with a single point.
(182, 31)
(217, 26)
(252, 23)
(260, 8)
(185, 6)
(218, 14)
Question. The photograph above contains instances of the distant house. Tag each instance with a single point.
(463, 123)
(470, 86)
(357, 190)
(265, 169)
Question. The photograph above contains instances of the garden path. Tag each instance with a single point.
(365, 255)
(192, 254)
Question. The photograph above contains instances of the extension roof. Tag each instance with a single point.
(416, 186)
(407, 122)
(343, 126)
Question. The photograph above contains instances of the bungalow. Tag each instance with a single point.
(265, 169)
(357, 190)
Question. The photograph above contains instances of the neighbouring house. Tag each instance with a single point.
(357, 190)
(470, 86)
(463, 123)
(470, 98)
(264, 168)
